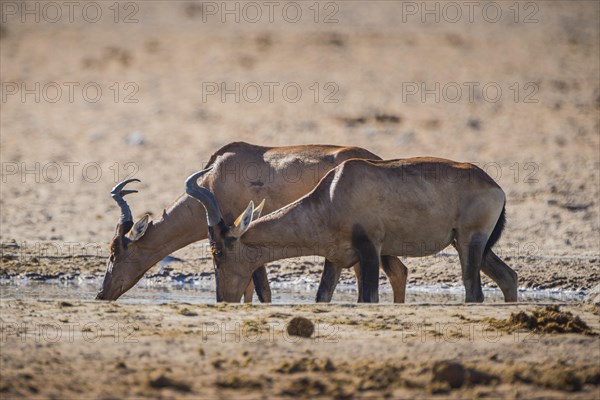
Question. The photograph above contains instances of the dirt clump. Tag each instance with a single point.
(562, 379)
(305, 387)
(376, 376)
(162, 382)
(255, 327)
(300, 326)
(549, 319)
(556, 376)
(187, 312)
(306, 364)
(453, 373)
(456, 375)
(380, 377)
(236, 381)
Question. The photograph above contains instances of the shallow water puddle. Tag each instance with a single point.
(203, 293)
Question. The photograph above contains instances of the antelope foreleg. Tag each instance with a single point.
(261, 284)
(248, 293)
(329, 280)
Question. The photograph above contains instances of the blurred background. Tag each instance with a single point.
(94, 92)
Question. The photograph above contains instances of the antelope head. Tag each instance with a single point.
(120, 276)
(229, 255)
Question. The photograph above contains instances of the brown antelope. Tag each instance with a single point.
(362, 210)
(240, 172)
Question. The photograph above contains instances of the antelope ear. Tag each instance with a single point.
(242, 223)
(258, 210)
(139, 228)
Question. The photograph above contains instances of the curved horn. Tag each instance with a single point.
(204, 196)
(117, 193)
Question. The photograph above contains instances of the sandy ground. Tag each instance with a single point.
(98, 350)
(156, 120)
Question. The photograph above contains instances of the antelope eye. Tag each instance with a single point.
(216, 252)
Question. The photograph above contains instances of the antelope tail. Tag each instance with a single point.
(497, 232)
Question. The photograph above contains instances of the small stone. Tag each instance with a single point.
(187, 312)
(135, 139)
(300, 326)
(474, 124)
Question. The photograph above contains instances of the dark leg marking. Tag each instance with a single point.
(358, 281)
(369, 264)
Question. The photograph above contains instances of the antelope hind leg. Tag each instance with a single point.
(358, 281)
(369, 259)
(471, 256)
(502, 274)
(397, 273)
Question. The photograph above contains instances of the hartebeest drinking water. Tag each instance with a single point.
(362, 210)
(240, 172)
